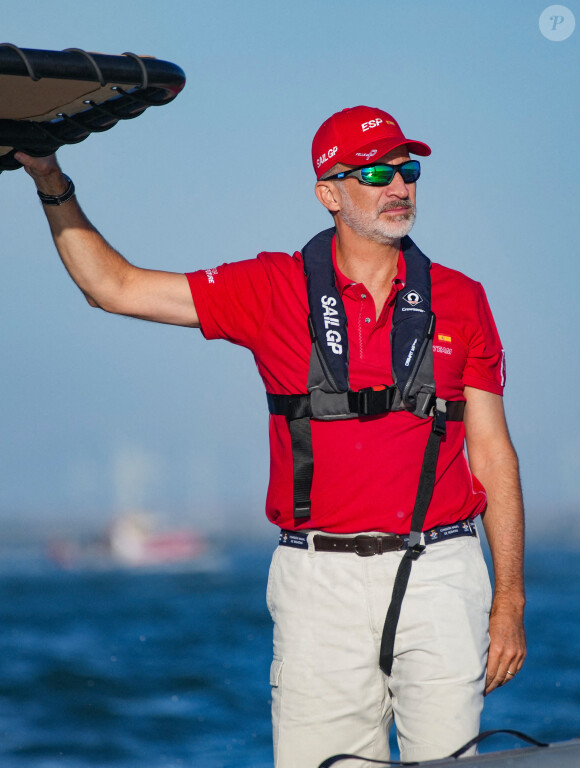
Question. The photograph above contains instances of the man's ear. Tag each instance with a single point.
(327, 193)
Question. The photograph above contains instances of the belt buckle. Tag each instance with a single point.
(367, 539)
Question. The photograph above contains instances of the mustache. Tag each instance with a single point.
(398, 204)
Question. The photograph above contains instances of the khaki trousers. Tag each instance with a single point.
(329, 695)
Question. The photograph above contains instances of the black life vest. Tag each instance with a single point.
(330, 398)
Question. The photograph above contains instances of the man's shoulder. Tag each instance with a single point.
(443, 274)
(457, 295)
(281, 260)
(453, 283)
(282, 268)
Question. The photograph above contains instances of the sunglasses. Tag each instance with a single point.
(381, 174)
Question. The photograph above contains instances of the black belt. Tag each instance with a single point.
(366, 545)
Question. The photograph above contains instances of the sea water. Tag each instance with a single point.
(127, 668)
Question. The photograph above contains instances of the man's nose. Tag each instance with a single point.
(398, 187)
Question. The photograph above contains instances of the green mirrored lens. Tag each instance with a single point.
(378, 174)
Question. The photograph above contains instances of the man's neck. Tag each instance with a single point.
(364, 261)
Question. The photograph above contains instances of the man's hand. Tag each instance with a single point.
(507, 644)
(45, 171)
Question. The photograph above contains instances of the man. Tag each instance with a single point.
(362, 457)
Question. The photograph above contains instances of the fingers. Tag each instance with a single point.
(507, 651)
(45, 171)
(501, 673)
(495, 674)
(38, 166)
(500, 670)
(504, 662)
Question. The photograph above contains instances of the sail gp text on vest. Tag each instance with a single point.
(333, 338)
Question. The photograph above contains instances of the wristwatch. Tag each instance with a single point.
(58, 199)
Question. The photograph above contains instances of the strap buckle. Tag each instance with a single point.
(439, 416)
(373, 401)
(414, 546)
(415, 552)
(302, 510)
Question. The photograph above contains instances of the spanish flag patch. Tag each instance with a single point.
(442, 337)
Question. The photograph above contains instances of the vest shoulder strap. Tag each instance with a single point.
(412, 333)
(327, 319)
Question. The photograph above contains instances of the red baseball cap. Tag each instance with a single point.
(357, 135)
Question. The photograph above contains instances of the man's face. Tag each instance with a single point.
(380, 214)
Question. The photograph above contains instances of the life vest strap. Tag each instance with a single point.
(291, 406)
(415, 548)
(371, 401)
(303, 461)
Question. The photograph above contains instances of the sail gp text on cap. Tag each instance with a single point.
(358, 134)
(326, 156)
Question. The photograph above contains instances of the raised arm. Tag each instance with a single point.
(494, 462)
(106, 278)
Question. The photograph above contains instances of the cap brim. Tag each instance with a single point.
(382, 147)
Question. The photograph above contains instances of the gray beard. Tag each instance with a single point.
(371, 227)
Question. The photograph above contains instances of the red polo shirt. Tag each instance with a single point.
(366, 470)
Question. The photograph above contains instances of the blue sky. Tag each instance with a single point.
(101, 413)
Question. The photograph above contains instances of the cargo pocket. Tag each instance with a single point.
(276, 683)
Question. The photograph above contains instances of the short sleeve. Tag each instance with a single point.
(232, 301)
(485, 364)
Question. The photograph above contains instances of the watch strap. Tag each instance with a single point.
(58, 199)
